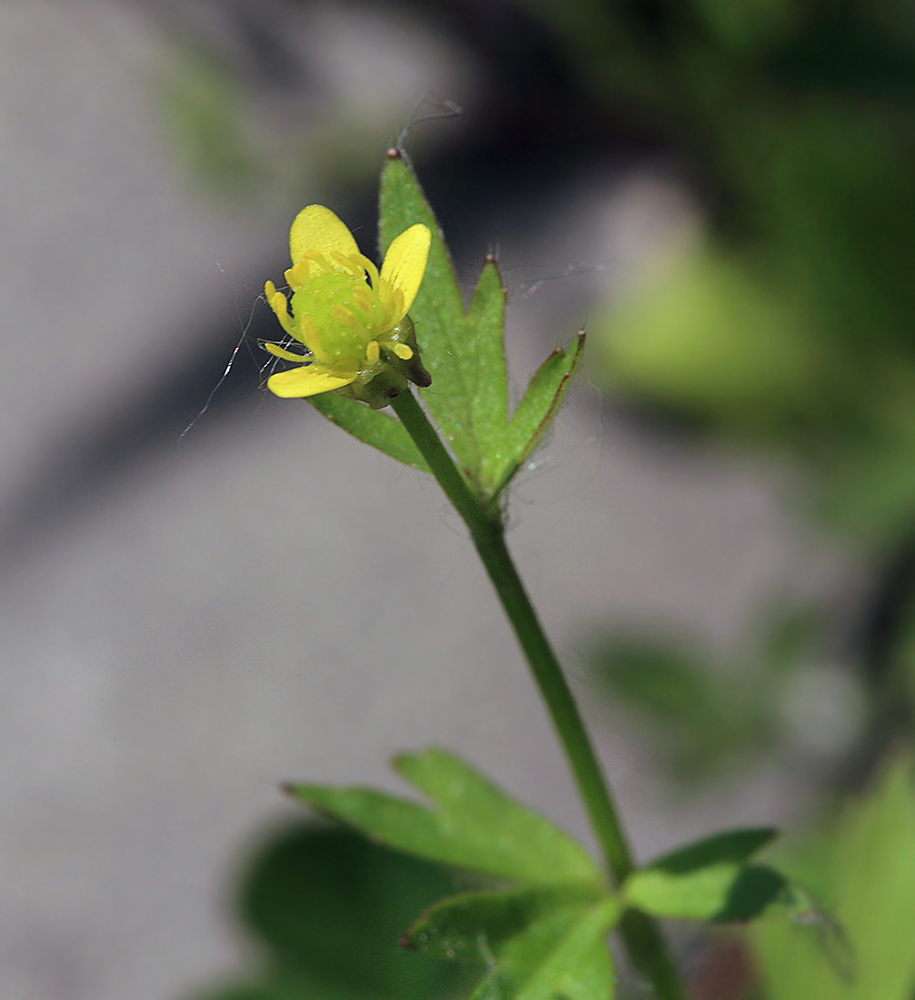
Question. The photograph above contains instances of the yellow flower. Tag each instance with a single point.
(351, 320)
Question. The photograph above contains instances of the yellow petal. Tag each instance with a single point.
(307, 381)
(317, 228)
(405, 263)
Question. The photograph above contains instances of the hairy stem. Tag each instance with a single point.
(644, 941)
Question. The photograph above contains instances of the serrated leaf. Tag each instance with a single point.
(464, 351)
(474, 825)
(370, 426)
(538, 944)
(449, 346)
(532, 418)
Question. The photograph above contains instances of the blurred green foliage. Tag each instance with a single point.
(206, 112)
(327, 908)
(712, 717)
(861, 867)
(793, 322)
(698, 721)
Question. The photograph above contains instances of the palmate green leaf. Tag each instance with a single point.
(464, 351)
(373, 427)
(709, 880)
(474, 825)
(538, 944)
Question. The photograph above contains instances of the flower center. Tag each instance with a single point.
(339, 314)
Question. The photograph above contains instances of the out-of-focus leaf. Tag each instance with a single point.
(791, 636)
(474, 825)
(710, 338)
(703, 721)
(331, 905)
(747, 27)
(204, 111)
(870, 486)
(535, 943)
(663, 679)
(863, 868)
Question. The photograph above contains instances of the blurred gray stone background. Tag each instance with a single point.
(184, 623)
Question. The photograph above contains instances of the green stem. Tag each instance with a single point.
(643, 939)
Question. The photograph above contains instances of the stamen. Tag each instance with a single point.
(370, 268)
(372, 352)
(351, 322)
(399, 311)
(344, 315)
(362, 297)
(281, 352)
(320, 259)
(279, 305)
(311, 338)
(298, 274)
(347, 263)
